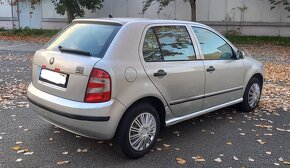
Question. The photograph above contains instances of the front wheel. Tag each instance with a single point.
(138, 130)
(252, 95)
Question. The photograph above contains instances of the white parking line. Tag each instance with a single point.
(5, 47)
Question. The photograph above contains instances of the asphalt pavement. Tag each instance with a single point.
(224, 138)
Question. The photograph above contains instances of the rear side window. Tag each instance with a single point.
(151, 48)
(212, 45)
(168, 43)
(91, 38)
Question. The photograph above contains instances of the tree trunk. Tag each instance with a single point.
(193, 10)
(70, 16)
(69, 8)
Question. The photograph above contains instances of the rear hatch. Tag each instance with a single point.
(63, 66)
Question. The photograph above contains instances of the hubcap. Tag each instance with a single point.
(254, 95)
(142, 131)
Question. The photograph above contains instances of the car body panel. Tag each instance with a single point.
(231, 86)
(67, 63)
(187, 82)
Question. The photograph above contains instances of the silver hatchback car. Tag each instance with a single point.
(127, 78)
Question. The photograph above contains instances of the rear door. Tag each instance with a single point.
(62, 68)
(224, 72)
(172, 63)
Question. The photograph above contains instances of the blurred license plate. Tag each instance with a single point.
(56, 78)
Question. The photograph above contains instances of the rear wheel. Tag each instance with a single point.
(252, 95)
(138, 130)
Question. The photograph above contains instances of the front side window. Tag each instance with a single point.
(168, 43)
(212, 45)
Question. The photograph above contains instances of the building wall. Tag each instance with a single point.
(224, 15)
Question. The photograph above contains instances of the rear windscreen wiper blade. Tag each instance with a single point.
(74, 51)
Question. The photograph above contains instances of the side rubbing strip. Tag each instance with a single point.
(205, 96)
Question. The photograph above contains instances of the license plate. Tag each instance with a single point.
(52, 77)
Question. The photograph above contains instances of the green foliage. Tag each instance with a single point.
(276, 3)
(28, 32)
(162, 4)
(259, 40)
(75, 8)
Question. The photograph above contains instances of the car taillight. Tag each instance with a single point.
(99, 87)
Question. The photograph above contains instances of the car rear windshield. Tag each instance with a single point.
(89, 38)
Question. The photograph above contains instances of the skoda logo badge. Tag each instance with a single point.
(51, 61)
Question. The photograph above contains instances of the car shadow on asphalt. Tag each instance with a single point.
(177, 136)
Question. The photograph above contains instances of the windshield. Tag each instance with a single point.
(84, 37)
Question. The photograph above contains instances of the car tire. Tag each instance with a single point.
(133, 126)
(252, 95)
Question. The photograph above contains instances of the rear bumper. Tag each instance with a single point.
(94, 120)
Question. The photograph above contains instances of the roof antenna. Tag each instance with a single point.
(110, 16)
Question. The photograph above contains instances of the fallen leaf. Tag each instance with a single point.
(276, 164)
(281, 159)
(18, 142)
(62, 162)
(65, 153)
(159, 149)
(242, 134)
(281, 129)
(28, 153)
(19, 160)
(264, 126)
(218, 160)
(251, 159)
(261, 141)
(286, 162)
(269, 153)
(82, 150)
(267, 134)
(198, 158)
(20, 151)
(180, 161)
(229, 143)
(166, 145)
(16, 148)
(235, 158)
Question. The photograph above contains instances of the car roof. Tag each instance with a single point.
(123, 21)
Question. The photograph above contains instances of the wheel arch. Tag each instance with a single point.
(155, 102)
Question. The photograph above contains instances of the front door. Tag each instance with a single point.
(170, 60)
(224, 72)
(29, 15)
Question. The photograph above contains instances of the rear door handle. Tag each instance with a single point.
(160, 73)
(210, 69)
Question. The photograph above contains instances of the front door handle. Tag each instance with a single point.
(210, 69)
(160, 73)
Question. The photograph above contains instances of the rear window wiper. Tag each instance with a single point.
(74, 51)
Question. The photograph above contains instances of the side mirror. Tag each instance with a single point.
(240, 54)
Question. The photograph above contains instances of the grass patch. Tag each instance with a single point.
(28, 32)
(276, 40)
